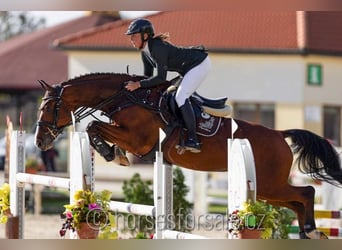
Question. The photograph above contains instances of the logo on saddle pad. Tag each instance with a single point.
(208, 125)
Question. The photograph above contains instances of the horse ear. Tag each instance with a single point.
(45, 85)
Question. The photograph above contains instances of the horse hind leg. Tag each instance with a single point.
(301, 201)
(304, 207)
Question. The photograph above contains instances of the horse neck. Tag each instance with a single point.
(90, 93)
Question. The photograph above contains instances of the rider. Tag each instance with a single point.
(157, 52)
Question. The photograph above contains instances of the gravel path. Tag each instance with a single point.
(47, 227)
(38, 227)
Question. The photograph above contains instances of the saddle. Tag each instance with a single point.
(208, 112)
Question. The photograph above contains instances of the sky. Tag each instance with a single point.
(55, 17)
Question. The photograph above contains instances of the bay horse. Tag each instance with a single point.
(135, 119)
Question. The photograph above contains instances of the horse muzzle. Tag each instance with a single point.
(44, 142)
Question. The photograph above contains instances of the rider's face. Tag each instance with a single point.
(136, 40)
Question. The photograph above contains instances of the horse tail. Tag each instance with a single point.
(317, 157)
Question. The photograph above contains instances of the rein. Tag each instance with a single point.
(79, 114)
(84, 112)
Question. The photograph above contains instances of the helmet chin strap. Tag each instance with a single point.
(142, 41)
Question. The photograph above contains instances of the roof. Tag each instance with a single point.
(27, 58)
(214, 29)
(239, 31)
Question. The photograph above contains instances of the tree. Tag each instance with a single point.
(14, 23)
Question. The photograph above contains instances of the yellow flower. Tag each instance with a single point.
(4, 202)
(88, 207)
(78, 194)
(3, 219)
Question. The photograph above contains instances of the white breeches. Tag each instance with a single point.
(192, 80)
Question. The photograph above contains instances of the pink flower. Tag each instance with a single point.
(68, 214)
(93, 206)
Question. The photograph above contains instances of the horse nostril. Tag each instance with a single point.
(38, 143)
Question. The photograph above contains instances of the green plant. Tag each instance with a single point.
(4, 203)
(181, 207)
(140, 192)
(90, 207)
(286, 217)
(258, 215)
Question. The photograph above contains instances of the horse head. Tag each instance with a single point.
(75, 96)
(49, 124)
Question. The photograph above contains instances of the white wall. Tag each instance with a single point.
(91, 62)
(256, 78)
(239, 77)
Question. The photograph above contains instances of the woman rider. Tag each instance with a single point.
(157, 52)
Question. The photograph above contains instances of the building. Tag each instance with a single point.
(281, 69)
(27, 58)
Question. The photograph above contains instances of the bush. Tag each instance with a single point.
(138, 191)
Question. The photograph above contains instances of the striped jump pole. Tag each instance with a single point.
(333, 232)
(324, 214)
(328, 214)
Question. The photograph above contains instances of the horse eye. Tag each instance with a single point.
(47, 109)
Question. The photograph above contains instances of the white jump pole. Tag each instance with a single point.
(43, 180)
(163, 191)
(80, 165)
(17, 164)
(163, 201)
(241, 172)
(170, 234)
(81, 168)
(138, 209)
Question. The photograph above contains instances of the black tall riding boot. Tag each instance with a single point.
(189, 119)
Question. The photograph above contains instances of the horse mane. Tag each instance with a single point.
(97, 76)
(100, 75)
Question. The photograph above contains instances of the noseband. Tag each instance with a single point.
(52, 127)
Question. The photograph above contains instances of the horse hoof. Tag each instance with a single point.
(120, 157)
(122, 161)
(315, 234)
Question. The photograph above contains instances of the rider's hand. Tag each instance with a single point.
(131, 86)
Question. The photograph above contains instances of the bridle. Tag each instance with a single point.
(81, 113)
(52, 127)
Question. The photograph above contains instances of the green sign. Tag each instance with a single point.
(314, 74)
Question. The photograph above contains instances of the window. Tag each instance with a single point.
(314, 74)
(259, 113)
(332, 118)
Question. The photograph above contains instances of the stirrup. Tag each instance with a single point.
(193, 146)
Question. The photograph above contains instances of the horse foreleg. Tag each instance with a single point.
(98, 139)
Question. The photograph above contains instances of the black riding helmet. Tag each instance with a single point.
(142, 26)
